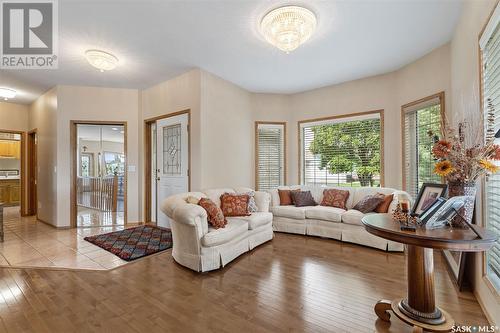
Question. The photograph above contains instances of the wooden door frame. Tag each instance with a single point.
(147, 157)
(22, 171)
(74, 164)
(32, 168)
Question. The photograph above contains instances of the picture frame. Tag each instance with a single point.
(431, 211)
(428, 194)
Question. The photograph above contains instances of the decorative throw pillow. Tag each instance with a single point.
(192, 200)
(303, 198)
(252, 205)
(286, 197)
(383, 207)
(234, 204)
(215, 216)
(369, 203)
(335, 198)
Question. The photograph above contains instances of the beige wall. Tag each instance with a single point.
(227, 134)
(14, 116)
(43, 117)
(178, 94)
(466, 106)
(91, 104)
(426, 76)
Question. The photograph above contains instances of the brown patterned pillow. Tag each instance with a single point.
(286, 197)
(215, 216)
(369, 203)
(335, 198)
(383, 207)
(234, 204)
(303, 198)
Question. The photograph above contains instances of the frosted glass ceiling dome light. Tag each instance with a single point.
(288, 27)
(7, 93)
(101, 60)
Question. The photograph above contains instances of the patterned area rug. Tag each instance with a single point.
(134, 243)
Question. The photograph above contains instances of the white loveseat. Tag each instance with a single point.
(200, 247)
(331, 222)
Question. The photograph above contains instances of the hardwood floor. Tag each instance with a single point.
(292, 284)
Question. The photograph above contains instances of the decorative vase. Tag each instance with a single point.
(467, 189)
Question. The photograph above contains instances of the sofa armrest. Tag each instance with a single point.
(262, 200)
(192, 215)
(394, 202)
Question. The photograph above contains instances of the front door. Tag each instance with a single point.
(172, 146)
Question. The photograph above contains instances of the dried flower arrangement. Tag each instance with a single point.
(464, 162)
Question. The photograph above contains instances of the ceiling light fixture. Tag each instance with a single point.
(7, 93)
(288, 27)
(101, 60)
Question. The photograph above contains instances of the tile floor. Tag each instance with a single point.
(87, 217)
(30, 243)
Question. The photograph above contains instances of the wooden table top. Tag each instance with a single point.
(384, 226)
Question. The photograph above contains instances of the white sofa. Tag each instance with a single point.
(331, 222)
(200, 247)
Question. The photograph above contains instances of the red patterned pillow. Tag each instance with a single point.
(215, 216)
(234, 205)
(335, 198)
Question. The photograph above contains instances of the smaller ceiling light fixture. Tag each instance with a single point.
(101, 60)
(7, 93)
(288, 27)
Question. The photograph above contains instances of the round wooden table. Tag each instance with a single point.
(419, 308)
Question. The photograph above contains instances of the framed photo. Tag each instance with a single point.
(427, 195)
(433, 209)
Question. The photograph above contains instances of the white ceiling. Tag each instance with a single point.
(158, 40)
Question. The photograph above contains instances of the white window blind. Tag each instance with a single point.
(491, 91)
(270, 164)
(418, 162)
(342, 151)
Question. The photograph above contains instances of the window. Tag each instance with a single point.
(419, 118)
(114, 163)
(342, 151)
(270, 171)
(490, 59)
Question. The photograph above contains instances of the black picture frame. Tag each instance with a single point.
(432, 210)
(426, 189)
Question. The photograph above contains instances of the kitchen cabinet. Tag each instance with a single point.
(10, 192)
(10, 149)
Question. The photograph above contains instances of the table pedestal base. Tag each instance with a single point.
(443, 323)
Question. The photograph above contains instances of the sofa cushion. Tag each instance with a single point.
(302, 198)
(292, 212)
(286, 197)
(383, 207)
(234, 204)
(335, 198)
(255, 220)
(214, 214)
(353, 217)
(215, 194)
(369, 203)
(235, 228)
(324, 213)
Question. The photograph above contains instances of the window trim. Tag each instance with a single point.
(486, 30)
(256, 152)
(406, 108)
(380, 112)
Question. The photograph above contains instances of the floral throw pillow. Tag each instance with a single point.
(252, 205)
(369, 203)
(335, 198)
(234, 204)
(215, 216)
